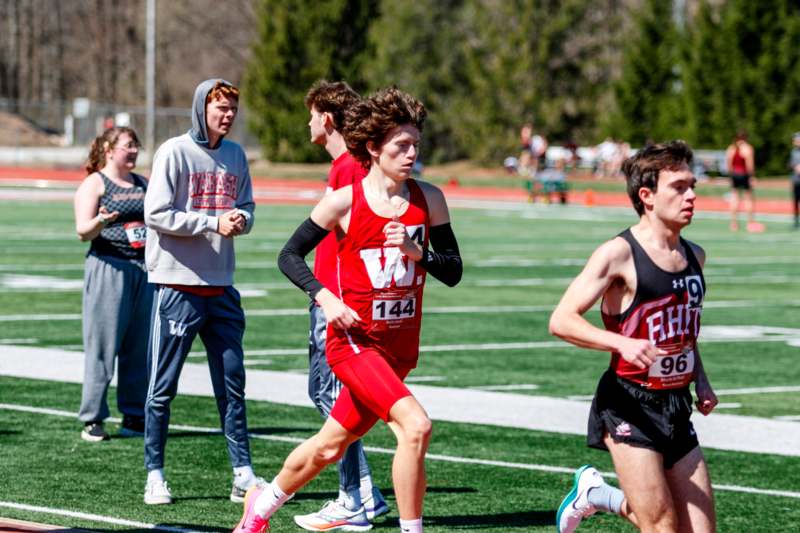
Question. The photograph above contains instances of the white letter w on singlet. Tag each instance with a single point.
(394, 267)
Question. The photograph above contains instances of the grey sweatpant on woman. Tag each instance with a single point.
(116, 323)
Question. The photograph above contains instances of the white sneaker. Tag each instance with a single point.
(238, 491)
(333, 516)
(374, 504)
(157, 493)
(575, 506)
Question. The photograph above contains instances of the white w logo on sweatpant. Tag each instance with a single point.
(177, 328)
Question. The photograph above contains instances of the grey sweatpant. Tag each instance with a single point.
(116, 323)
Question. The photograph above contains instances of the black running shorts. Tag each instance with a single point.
(740, 181)
(656, 420)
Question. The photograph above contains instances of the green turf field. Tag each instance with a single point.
(517, 263)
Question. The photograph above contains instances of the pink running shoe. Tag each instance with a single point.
(251, 522)
(755, 227)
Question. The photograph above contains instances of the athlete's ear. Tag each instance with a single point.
(373, 150)
(647, 196)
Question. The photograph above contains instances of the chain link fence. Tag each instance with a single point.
(77, 122)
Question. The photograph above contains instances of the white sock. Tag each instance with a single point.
(411, 526)
(242, 475)
(606, 498)
(351, 500)
(155, 475)
(365, 487)
(270, 500)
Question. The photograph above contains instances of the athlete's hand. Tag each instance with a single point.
(706, 399)
(639, 352)
(105, 216)
(397, 235)
(336, 311)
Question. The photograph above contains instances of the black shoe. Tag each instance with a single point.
(132, 426)
(94, 432)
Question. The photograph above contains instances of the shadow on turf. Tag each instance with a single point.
(507, 520)
(484, 521)
(170, 525)
(255, 431)
(387, 493)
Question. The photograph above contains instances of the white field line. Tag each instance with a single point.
(710, 334)
(517, 386)
(495, 262)
(479, 310)
(39, 318)
(577, 212)
(90, 517)
(492, 262)
(257, 362)
(734, 392)
(756, 278)
(757, 390)
(26, 283)
(390, 451)
(426, 349)
(730, 405)
(424, 379)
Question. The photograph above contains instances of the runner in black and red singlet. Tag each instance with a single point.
(652, 288)
(384, 224)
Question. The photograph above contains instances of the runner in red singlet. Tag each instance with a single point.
(741, 167)
(652, 287)
(384, 224)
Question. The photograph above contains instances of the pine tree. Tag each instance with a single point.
(417, 47)
(705, 80)
(742, 71)
(299, 42)
(647, 95)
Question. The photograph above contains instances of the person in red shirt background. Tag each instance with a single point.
(742, 169)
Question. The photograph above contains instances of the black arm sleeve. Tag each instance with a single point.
(445, 263)
(292, 261)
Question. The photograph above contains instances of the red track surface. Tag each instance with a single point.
(274, 190)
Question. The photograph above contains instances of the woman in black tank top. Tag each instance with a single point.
(109, 212)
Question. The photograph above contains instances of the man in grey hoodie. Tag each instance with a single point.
(199, 198)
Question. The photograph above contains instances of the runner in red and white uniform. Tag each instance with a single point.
(651, 284)
(381, 284)
(359, 500)
(384, 224)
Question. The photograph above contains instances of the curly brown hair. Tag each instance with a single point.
(371, 119)
(642, 169)
(104, 141)
(331, 97)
